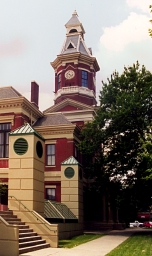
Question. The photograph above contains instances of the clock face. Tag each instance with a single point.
(69, 74)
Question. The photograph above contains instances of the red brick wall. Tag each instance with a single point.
(4, 163)
(75, 81)
(64, 149)
(20, 119)
(69, 108)
(77, 78)
(4, 180)
(77, 97)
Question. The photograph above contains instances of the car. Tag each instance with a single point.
(147, 224)
(136, 223)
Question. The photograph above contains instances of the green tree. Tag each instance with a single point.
(111, 142)
(145, 156)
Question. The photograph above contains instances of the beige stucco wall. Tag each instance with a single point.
(9, 236)
(72, 191)
(69, 230)
(26, 175)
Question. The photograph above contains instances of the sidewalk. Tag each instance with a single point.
(97, 247)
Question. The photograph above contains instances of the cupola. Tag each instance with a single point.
(75, 67)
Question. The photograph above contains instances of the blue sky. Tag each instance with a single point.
(32, 33)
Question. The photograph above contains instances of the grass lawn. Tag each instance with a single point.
(77, 240)
(136, 245)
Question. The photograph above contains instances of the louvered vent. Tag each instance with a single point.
(69, 172)
(20, 146)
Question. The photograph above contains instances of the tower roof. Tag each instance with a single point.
(74, 41)
(73, 21)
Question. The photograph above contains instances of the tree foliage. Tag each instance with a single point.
(112, 141)
(145, 155)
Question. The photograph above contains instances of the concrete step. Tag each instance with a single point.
(29, 238)
(25, 230)
(33, 248)
(6, 212)
(16, 222)
(31, 243)
(27, 234)
(21, 226)
(8, 216)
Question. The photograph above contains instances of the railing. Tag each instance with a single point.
(74, 89)
(37, 217)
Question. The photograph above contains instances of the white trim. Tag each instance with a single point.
(78, 44)
(7, 119)
(50, 142)
(75, 89)
(86, 48)
(85, 70)
(50, 186)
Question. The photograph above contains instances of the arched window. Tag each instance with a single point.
(73, 31)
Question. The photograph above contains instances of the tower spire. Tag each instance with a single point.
(75, 13)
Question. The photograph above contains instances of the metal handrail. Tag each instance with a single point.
(33, 214)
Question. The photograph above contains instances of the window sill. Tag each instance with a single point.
(48, 166)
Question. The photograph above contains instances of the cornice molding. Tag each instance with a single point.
(62, 129)
(76, 58)
(20, 102)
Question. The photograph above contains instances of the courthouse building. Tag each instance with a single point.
(58, 128)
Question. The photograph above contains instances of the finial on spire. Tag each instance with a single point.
(75, 13)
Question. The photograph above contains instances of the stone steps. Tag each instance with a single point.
(33, 248)
(28, 239)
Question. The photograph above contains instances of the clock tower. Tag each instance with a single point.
(75, 67)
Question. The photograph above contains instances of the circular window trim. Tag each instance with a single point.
(69, 172)
(39, 149)
(20, 146)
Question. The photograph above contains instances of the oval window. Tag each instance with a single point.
(39, 149)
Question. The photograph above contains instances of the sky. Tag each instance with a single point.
(32, 33)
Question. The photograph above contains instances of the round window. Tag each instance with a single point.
(69, 172)
(39, 149)
(20, 146)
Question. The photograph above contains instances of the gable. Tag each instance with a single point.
(67, 105)
(69, 108)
